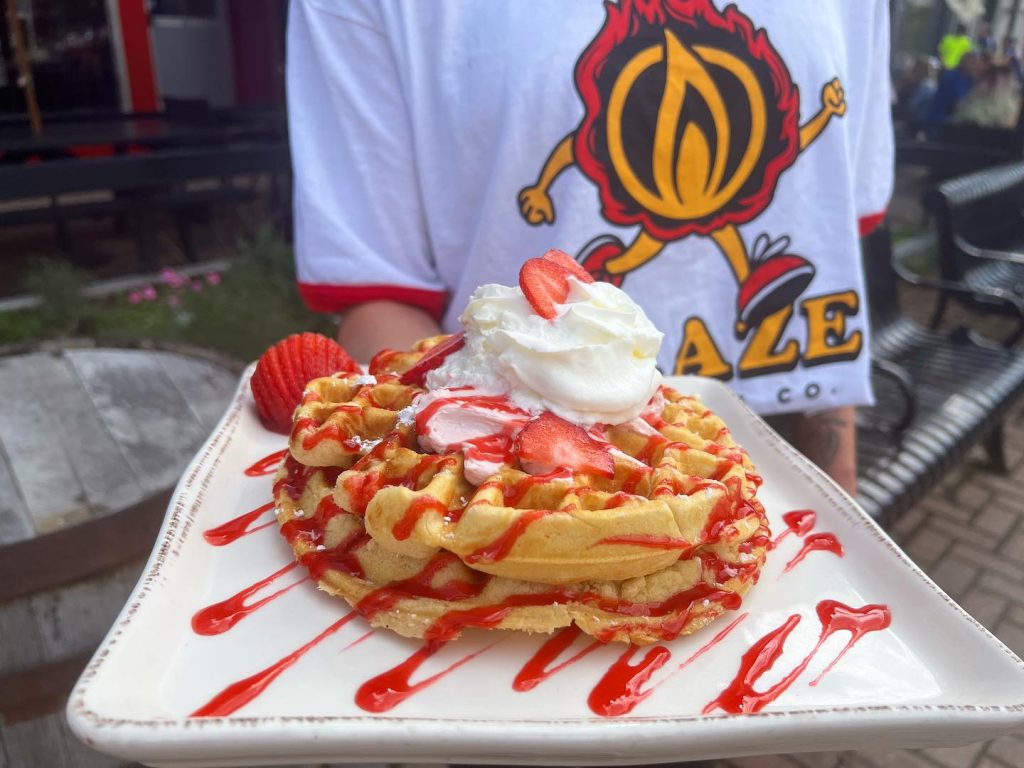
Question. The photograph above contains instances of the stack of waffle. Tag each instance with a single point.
(660, 549)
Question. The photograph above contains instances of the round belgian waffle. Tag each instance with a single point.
(436, 596)
(660, 549)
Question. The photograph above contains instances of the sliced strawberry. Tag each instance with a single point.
(544, 284)
(433, 358)
(284, 370)
(549, 442)
(566, 262)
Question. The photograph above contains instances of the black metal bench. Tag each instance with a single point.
(961, 148)
(938, 393)
(980, 224)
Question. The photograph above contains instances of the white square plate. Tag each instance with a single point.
(934, 676)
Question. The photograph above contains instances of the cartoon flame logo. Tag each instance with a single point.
(712, 103)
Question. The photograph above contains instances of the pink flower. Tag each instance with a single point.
(149, 293)
(197, 286)
(173, 300)
(134, 297)
(172, 278)
(213, 278)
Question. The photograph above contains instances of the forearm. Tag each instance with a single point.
(829, 439)
(367, 328)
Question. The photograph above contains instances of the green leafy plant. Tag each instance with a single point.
(239, 312)
(59, 285)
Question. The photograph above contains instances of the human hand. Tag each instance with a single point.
(536, 206)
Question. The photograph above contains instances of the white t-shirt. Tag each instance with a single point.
(717, 161)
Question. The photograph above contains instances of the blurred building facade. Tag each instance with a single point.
(146, 55)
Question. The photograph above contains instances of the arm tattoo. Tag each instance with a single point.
(822, 437)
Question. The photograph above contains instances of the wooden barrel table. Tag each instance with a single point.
(92, 441)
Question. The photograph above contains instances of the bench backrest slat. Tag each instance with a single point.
(983, 207)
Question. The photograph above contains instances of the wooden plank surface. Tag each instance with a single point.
(143, 411)
(205, 386)
(30, 436)
(74, 619)
(48, 741)
(20, 639)
(98, 461)
(15, 524)
(84, 434)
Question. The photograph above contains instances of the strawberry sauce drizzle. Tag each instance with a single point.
(645, 540)
(502, 546)
(798, 521)
(416, 509)
(836, 617)
(340, 558)
(537, 669)
(740, 697)
(220, 617)
(389, 689)
(267, 465)
(237, 527)
(818, 542)
(238, 694)
(621, 688)
(710, 643)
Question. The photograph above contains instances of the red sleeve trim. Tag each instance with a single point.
(868, 224)
(334, 298)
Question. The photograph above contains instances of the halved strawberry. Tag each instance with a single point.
(544, 284)
(566, 262)
(433, 358)
(284, 370)
(549, 442)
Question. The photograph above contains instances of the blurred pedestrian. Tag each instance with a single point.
(984, 40)
(953, 85)
(954, 46)
(992, 102)
(1011, 57)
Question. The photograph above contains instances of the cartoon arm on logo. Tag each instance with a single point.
(713, 163)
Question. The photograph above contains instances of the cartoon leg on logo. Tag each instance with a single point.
(691, 117)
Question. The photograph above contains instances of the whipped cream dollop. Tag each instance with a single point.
(593, 363)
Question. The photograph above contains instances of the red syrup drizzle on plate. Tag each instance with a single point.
(622, 687)
(267, 465)
(798, 521)
(389, 689)
(237, 527)
(836, 617)
(740, 697)
(220, 617)
(817, 542)
(538, 668)
(706, 647)
(238, 694)
(626, 703)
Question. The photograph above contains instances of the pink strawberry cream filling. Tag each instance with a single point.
(481, 426)
(591, 363)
